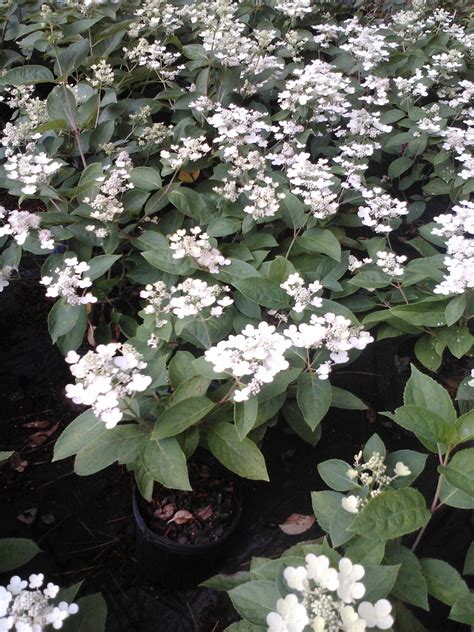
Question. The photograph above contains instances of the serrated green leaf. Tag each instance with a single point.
(443, 581)
(314, 398)
(239, 456)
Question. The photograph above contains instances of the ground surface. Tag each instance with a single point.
(85, 525)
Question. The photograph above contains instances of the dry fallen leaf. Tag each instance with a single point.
(28, 516)
(38, 438)
(297, 523)
(189, 176)
(204, 513)
(165, 513)
(182, 517)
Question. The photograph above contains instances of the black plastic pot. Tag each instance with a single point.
(173, 565)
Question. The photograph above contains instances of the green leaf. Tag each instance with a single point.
(415, 461)
(443, 581)
(410, 586)
(459, 340)
(239, 456)
(365, 551)
(421, 390)
(181, 416)
(146, 178)
(374, 445)
(433, 431)
(91, 616)
(469, 561)
(334, 473)
(426, 353)
(245, 416)
(455, 309)
(99, 265)
(463, 610)
(26, 75)
(465, 427)
(78, 434)
(189, 202)
(314, 398)
(320, 240)
(295, 420)
(399, 166)
(226, 582)
(62, 318)
(325, 504)
(453, 497)
(244, 626)
(406, 620)
(181, 368)
(339, 527)
(165, 462)
(4, 455)
(254, 600)
(99, 454)
(15, 552)
(264, 292)
(346, 400)
(460, 471)
(379, 581)
(195, 386)
(392, 514)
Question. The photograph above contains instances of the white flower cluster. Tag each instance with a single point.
(294, 8)
(319, 88)
(458, 226)
(257, 352)
(5, 275)
(314, 183)
(188, 150)
(106, 206)
(381, 210)
(155, 57)
(24, 607)
(303, 296)
(366, 44)
(239, 126)
(31, 169)
(198, 247)
(154, 135)
(372, 478)
(104, 378)
(333, 332)
(68, 280)
(391, 263)
(19, 223)
(326, 600)
(103, 75)
(192, 297)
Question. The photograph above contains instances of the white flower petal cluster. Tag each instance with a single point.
(371, 478)
(314, 183)
(66, 281)
(24, 607)
(30, 168)
(303, 296)
(106, 206)
(103, 75)
(326, 600)
(155, 57)
(5, 275)
(197, 246)
(239, 126)
(381, 210)
(192, 297)
(106, 376)
(257, 353)
(188, 150)
(391, 263)
(320, 89)
(18, 224)
(331, 331)
(367, 44)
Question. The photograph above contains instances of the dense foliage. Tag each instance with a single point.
(232, 198)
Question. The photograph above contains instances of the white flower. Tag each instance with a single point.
(318, 570)
(351, 620)
(295, 577)
(36, 581)
(290, 616)
(198, 247)
(377, 615)
(303, 296)
(68, 280)
(381, 210)
(349, 574)
(350, 503)
(391, 263)
(16, 585)
(401, 469)
(257, 352)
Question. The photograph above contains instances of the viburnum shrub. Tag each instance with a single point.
(369, 514)
(228, 196)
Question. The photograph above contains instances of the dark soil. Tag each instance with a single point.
(198, 517)
(85, 526)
